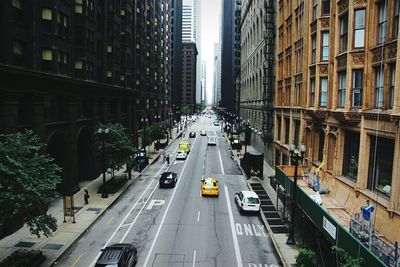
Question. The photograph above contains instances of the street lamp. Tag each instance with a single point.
(246, 134)
(103, 134)
(295, 157)
(144, 121)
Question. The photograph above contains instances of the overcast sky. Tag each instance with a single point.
(210, 24)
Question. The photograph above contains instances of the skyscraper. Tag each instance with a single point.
(203, 81)
(217, 76)
(191, 32)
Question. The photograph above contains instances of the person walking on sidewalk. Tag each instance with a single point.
(86, 196)
(168, 160)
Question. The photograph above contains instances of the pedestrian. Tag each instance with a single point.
(86, 196)
(163, 156)
(168, 159)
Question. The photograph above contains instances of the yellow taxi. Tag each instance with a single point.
(184, 146)
(209, 187)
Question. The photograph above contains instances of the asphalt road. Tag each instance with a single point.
(177, 226)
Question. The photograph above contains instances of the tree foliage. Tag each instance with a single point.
(118, 144)
(185, 110)
(156, 132)
(305, 258)
(28, 180)
(345, 260)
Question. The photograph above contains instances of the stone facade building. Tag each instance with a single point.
(65, 66)
(337, 91)
(257, 72)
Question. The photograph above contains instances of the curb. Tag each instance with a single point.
(122, 190)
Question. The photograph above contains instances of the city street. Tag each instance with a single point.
(177, 226)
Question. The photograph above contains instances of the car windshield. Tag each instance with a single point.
(209, 183)
(253, 200)
(167, 176)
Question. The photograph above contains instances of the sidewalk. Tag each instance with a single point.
(67, 233)
(285, 252)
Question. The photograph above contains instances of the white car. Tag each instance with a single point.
(247, 201)
(203, 133)
(212, 141)
(181, 155)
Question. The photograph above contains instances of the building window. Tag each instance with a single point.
(392, 82)
(350, 157)
(313, 48)
(331, 151)
(382, 21)
(78, 6)
(47, 58)
(342, 89)
(321, 145)
(381, 165)
(343, 33)
(17, 10)
(19, 53)
(324, 92)
(396, 19)
(47, 15)
(379, 87)
(315, 10)
(357, 87)
(279, 123)
(296, 132)
(312, 82)
(359, 28)
(325, 7)
(325, 46)
(287, 130)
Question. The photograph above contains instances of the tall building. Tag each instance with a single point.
(230, 54)
(217, 76)
(176, 63)
(191, 32)
(189, 65)
(257, 72)
(203, 81)
(66, 67)
(337, 92)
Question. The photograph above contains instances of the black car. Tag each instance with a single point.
(192, 134)
(168, 179)
(121, 255)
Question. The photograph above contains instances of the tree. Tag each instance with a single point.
(200, 106)
(156, 132)
(185, 110)
(28, 180)
(117, 144)
(305, 258)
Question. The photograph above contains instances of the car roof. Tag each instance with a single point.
(184, 143)
(165, 174)
(211, 179)
(249, 194)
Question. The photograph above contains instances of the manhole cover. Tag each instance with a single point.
(52, 246)
(25, 244)
(94, 209)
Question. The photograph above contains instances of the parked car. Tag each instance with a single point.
(216, 123)
(247, 201)
(209, 187)
(192, 134)
(212, 141)
(203, 133)
(121, 255)
(181, 155)
(168, 179)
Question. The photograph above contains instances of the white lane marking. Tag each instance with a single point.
(126, 216)
(235, 240)
(194, 258)
(137, 215)
(198, 216)
(220, 161)
(166, 211)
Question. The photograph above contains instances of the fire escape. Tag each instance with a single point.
(269, 73)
